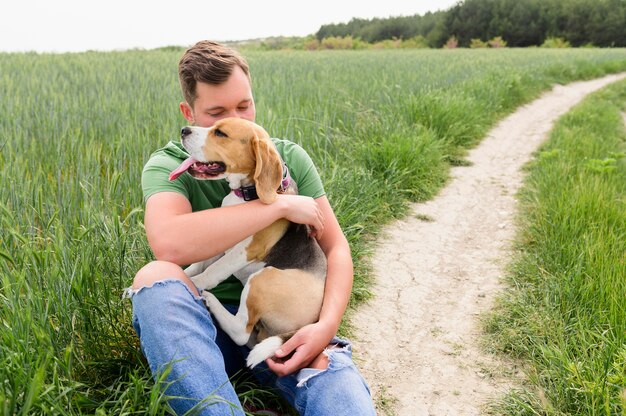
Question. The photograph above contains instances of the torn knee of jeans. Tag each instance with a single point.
(129, 292)
(338, 357)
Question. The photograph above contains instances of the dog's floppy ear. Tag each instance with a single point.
(269, 170)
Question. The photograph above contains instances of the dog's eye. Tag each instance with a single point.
(220, 133)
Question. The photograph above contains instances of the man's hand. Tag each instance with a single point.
(306, 345)
(304, 210)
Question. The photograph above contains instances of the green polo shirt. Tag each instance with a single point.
(205, 194)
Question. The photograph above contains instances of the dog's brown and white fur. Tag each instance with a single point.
(282, 268)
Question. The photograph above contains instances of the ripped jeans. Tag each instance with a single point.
(193, 358)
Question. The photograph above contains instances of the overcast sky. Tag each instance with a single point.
(75, 25)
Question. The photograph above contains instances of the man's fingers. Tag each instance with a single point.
(287, 348)
(287, 358)
(315, 233)
(318, 228)
(283, 368)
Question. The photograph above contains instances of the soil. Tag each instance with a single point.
(418, 341)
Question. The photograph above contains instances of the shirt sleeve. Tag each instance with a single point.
(155, 177)
(303, 171)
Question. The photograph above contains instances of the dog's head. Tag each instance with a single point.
(234, 148)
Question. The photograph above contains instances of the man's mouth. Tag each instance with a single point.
(199, 170)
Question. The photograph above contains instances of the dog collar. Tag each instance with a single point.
(248, 193)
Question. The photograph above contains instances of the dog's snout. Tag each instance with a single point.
(186, 131)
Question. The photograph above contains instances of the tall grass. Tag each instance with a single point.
(75, 130)
(565, 316)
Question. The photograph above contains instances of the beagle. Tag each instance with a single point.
(282, 268)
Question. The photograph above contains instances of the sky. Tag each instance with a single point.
(79, 25)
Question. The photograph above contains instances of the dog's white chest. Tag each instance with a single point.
(232, 199)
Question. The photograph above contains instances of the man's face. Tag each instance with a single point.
(215, 102)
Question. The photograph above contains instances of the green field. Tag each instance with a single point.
(383, 128)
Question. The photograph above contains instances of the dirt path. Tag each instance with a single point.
(437, 270)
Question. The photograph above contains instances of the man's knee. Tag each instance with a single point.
(322, 361)
(161, 270)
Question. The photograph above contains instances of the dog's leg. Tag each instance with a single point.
(233, 325)
(201, 266)
(234, 260)
(194, 269)
(244, 274)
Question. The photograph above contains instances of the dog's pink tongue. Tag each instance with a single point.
(182, 168)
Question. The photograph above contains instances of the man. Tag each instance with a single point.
(315, 370)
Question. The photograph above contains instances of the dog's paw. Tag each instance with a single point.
(210, 300)
(263, 350)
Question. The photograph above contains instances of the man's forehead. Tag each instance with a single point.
(219, 106)
(216, 97)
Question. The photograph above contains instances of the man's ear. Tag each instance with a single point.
(187, 111)
(269, 170)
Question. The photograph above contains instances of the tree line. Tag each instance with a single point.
(519, 23)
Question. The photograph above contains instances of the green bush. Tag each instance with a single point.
(477, 44)
(555, 43)
(417, 42)
(497, 42)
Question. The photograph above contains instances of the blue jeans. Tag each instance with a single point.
(194, 358)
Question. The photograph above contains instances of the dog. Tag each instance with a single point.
(282, 268)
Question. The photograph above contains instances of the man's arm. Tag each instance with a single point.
(309, 342)
(340, 270)
(178, 235)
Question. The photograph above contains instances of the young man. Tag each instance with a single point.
(185, 224)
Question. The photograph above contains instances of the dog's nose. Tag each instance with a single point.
(186, 131)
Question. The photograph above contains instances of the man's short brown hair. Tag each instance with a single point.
(208, 62)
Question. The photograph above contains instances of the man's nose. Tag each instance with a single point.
(186, 131)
